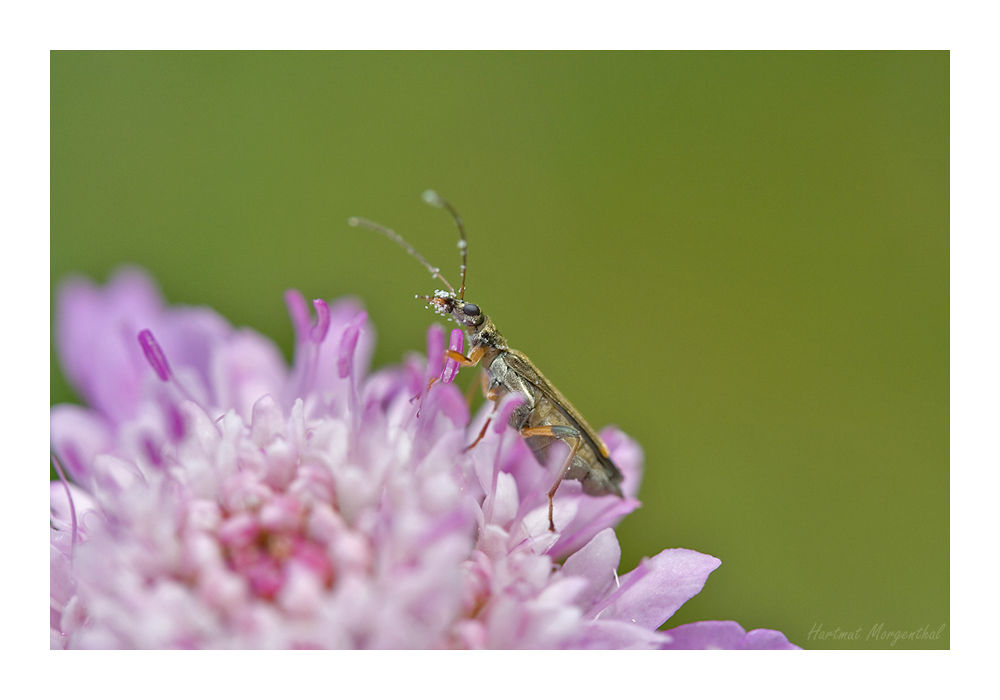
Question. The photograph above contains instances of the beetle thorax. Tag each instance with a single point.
(486, 334)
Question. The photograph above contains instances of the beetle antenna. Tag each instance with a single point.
(392, 235)
(436, 200)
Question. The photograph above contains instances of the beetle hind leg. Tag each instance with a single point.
(558, 432)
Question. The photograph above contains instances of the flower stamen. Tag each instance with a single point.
(322, 326)
(72, 508)
(157, 359)
(456, 344)
(154, 355)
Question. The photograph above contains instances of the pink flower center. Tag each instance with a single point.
(262, 546)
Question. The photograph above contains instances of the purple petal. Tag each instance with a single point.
(77, 436)
(244, 367)
(333, 352)
(96, 331)
(508, 404)
(190, 337)
(593, 515)
(655, 589)
(435, 351)
(597, 562)
(767, 639)
(95, 334)
(267, 421)
(614, 634)
(59, 507)
(627, 456)
(452, 403)
(718, 634)
(299, 311)
(61, 584)
(321, 509)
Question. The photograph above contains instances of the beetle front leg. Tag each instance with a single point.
(461, 359)
(458, 357)
(473, 359)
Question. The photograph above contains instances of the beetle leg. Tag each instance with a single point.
(473, 359)
(422, 394)
(458, 357)
(559, 432)
(493, 395)
(482, 432)
(483, 383)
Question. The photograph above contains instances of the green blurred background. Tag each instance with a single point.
(741, 259)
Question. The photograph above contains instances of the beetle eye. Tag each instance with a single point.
(471, 310)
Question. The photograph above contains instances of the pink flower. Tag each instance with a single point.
(220, 500)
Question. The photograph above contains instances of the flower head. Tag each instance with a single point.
(222, 500)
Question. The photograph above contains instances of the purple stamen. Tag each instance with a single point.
(348, 342)
(158, 361)
(456, 343)
(74, 463)
(72, 508)
(345, 357)
(322, 326)
(154, 355)
(152, 450)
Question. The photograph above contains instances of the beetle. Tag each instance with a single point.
(544, 416)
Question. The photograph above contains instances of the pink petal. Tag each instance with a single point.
(77, 436)
(593, 515)
(97, 330)
(96, 333)
(343, 314)
(267, 421)
(244, 367)
(655, 589)
(597, 562)
(718, 634)
(435, 351)
(83, 502)
(61, 583)
(627, 456)
(615, 634)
